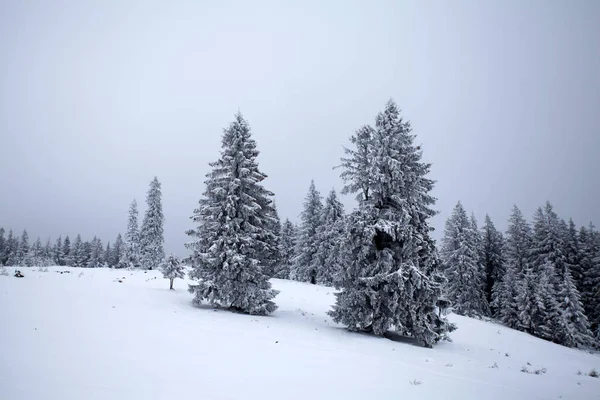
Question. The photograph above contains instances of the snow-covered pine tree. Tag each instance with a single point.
(172, 269)
(517, 251)
(305, 264)
(574, 253)
(329, 235)
(118, 250)
(87, 253)
(12, 245)
(590, 265)
(287, 249)
(234, 232)
(66, 252)
(95, 260)
(271, 259)
(108, 256)
(564, 314)
(461, 265)
(48, 253)
(57, 254)
(132, 237)
(151, 234)
(493, 262)
(23, 250)
(78, 258)
(384, 284)
(2, 245)
(36, 254)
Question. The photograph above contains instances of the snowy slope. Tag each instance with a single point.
(84, 335)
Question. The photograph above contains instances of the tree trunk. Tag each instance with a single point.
(171, 287)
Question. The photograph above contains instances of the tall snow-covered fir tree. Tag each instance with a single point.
(517, 252)
(564, 314)
(132, 238)
(384, 284)
(118, 251)
(12, 245)
(305, 264)
(66, 251)
(108, 256)
(171, 269)
(493, 261)
(23, 250)
(590, 267)
(573, 253)
(461, 265)
(78, 253)
(287, 250)
(2, 245)
(95, 259)
(329, 235)
(271, 260)
(234, 236)
(152, 232)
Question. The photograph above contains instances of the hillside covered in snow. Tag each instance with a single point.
(117, 334)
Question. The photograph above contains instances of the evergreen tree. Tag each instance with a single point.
(48, 253)
(329, 234)
(172, 269)
(151, 234)
(493, 262)
(94, 260)
(132, 237)
(87, 253)
(108, 256)
(386, 279)
(564, 315)
(462, 268)
(117, 259)
(574, 253)
(77, 254)
(2, 246)
(287, 250)
(517, 250)
(23, 250)
(66, 252)
(590, 266)
(305, 265)
(271, 259)
(57, 251)
(234, 236)
(12, 244)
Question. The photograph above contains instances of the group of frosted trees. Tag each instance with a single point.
(543, 280)
(381, 256)
(141, 247)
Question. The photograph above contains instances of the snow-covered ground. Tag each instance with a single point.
(85, 335)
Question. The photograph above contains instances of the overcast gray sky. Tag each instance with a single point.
(97, 97)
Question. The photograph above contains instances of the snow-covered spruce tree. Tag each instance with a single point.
(171, 269)
(565, 314)
(2, 245)
(287, 250)
(329, 235)
(23, 250)
(66, 251)
(234, 233)
(95, 260)
(12, 245)
(305, 264)
(387, 248)
(460, 257)
(57, 254)
(517, 251)
(78, 258)
(108, 256)
(151, 234)
(132, 238)
(574, 253)
(118, 250)
(49, 253)
(271, 259)
(590, 265)
(493, 262)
